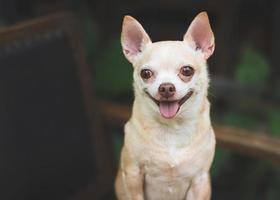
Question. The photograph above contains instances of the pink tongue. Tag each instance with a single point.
(168, 109)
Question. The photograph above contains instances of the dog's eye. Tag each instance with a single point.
(146, 73)
(187, 71)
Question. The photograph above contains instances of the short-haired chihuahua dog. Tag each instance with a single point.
(169, 140)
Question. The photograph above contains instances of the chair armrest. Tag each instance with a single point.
(236, 139)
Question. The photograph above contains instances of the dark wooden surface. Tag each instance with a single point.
(52, 144)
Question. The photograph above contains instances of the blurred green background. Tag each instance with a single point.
(244, 70)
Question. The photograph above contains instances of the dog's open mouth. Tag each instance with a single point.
(168, 109)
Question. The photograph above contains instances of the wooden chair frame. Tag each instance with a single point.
(66, 22)
(238, 140)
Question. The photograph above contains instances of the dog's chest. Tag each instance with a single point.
(172, 163)
(169, 170)
(168, 173)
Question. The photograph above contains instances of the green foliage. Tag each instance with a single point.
(2, 23)
(75, 4)
(253, 68)
(117, 143)
(241, 120)
(274, 122)
(273, 193)
(221, 156)
(272, 181)
(114, 73)
(89, 37)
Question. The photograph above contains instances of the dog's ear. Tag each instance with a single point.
(133, 38)
(200, 35)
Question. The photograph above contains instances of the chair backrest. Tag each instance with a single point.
(51, 147)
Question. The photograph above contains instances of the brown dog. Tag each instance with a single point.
(169, 141)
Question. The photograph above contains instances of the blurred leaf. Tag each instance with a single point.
(253, 68)
(114, 73)
(274, 122)
(221, 156)
(2, 23)
(117, 143)
(89, 36)
(75, 4)
(273, 193)
(241, 120)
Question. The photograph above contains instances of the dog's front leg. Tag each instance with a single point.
(200, 188)
(130, 183)
(133, 183)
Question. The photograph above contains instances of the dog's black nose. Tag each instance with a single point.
(166, 90)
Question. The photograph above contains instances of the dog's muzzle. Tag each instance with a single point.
(169, 108)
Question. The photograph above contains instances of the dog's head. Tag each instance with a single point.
(170, 75)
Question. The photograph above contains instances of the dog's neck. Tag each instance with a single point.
(188, 123)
